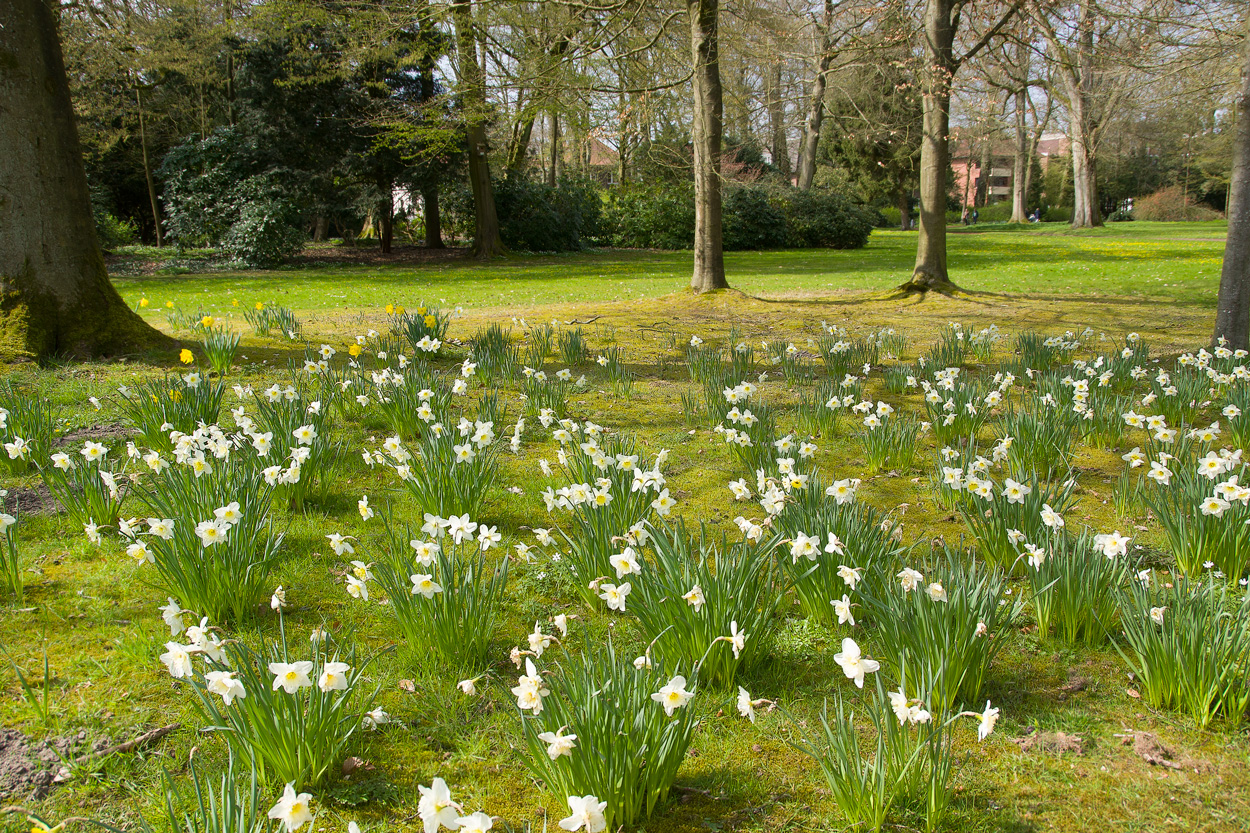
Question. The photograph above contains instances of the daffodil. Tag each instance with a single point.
(291, 676)
(292, 809)
(673, 695)
(558, 743)
(585, 813)
(853, 663)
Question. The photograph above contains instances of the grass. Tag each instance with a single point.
(103, 631)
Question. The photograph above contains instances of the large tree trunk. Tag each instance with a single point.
(433, 218)
(777, 122)
(930, 269)
(1232, 313)
(486, 241)
(55, 295)
(709, 260)
(1020, 163)
(518, 150)
(810, 140)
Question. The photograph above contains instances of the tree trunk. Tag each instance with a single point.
(554, 150)
(386, 217)
(904, 210)
(930, 270)
(519, 149)
(55, 295)
(486, 241)
(777, 122)
(433, 219)
(1085, 213)
(1020, 163)
(147, 171)
(1232, 313)
(816, 108)
(709, 260)
(321, 226)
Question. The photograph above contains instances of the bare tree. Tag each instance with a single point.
(486, 241)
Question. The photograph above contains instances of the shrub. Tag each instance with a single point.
(1171, 204)
(535, 217)
(651, 218)
(751, 221)
(823, 220)
(214, 196)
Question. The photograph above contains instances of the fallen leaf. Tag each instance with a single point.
(407, 685)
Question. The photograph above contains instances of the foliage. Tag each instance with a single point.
(536, 217)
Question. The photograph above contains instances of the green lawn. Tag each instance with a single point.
(1176, 261)
(97, 616)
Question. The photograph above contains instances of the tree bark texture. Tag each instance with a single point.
(1232, 314)
(55, 295)
(487, 242)
(930, 270)
(709, 260)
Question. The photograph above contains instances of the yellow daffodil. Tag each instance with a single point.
(186, 356)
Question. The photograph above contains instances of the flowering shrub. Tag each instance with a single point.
(941, 632)
(703, 605)
(1076, 583)
(600, 726)
(86, 484)
(441, 587)
(210, 541)
(1188, 645)
(295, 718)
(27, 426)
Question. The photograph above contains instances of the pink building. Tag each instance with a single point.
(967, 154)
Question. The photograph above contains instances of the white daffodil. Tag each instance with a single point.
(291, 676)
(292, 809)
(585, 813)
(853, 663)
(558, 743)
(223, 683)
(673, 695)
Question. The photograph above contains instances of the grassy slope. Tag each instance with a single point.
(103, 633)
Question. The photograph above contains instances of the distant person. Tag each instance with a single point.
(975, 214)
(963, 218)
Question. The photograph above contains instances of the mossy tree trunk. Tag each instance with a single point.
(55, 295)
(709, 256)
